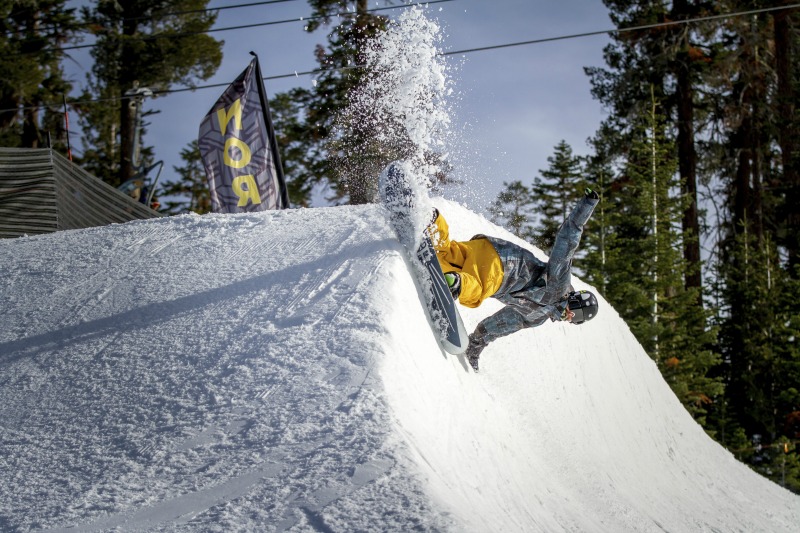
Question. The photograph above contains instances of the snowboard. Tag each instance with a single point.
(397, 195)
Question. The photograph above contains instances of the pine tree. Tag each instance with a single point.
(762, 359)
(295, 143)
(307, 118)
(646, 269)
(32, 81)
(784, 465)
(512, 210)
(139, 45)
(343, 132)
(750, 87)
(736, 77)
(189, 194)
(599, 173)
(787, 94)
(673, 60)
(556, 191)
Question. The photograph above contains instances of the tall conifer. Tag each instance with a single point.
(512, 210)
(190, 193)
(309, 116)
(140, 44)
(555, 192)
(32, 81)
(646, 269)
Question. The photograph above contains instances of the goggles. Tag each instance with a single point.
(583, 304)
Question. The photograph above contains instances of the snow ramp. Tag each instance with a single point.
(275, 372)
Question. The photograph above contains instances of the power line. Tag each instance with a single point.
(625, 30)
(220, 8)
(172, 35)
(465, 51)
(522, 43)
(176, 13)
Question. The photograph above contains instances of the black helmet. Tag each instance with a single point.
(583, 304)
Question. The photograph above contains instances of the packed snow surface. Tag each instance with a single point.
(276, 372)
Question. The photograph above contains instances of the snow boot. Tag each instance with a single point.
(474, 350)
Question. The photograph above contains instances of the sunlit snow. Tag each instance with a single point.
(276, 372)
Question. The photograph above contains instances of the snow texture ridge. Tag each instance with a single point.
(275, 372)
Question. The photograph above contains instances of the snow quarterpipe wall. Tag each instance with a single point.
(585, 431)
(275, 372)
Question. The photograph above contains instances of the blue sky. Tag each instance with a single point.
(511, 105)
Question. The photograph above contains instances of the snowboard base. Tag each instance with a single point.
(397, 196)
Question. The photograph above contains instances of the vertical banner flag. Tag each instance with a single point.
(239, 150)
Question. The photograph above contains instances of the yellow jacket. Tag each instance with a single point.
(476, 260)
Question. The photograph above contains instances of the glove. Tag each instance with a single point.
(435, 215)
(453, 280)
(432, 229)
(591, 194)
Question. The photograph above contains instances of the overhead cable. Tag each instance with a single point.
(173, 35)
(175, 13)
(522, 43)
(464, 51)
(625, 30)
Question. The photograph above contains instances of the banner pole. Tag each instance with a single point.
(273, 141)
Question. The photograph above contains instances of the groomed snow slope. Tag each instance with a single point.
(275, 372)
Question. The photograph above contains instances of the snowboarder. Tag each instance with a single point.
(531, 290)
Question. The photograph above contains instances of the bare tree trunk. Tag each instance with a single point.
(687, 157)
(787, 132)
(30, 129)
(687, 166)
(127, 119)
